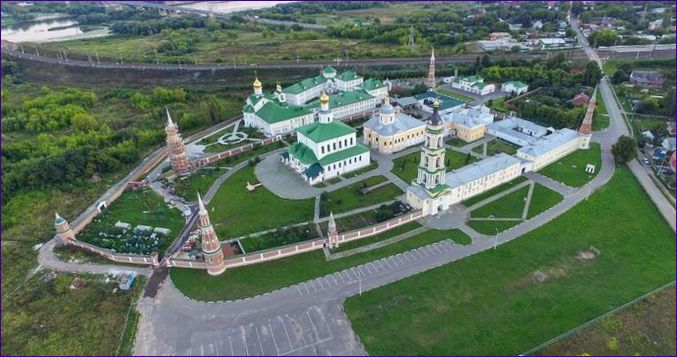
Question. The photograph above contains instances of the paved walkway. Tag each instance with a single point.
(379, 244)
(546, 181)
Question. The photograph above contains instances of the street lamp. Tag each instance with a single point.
(496, 239)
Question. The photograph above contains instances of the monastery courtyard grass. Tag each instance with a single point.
(493, 303)
(257, 279)
(234, 211)
(349, 198)
(453, 160)
(52, 319)
(199, 181)
(496, 146)
(570, 170)
(377, 238)
(494, 191)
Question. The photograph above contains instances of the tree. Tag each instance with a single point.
(467, 159)
(486, 62)
(592, 74)
(603, 37)
(624, 149)
(669, 103)
(619, 76)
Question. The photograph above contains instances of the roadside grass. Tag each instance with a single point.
(406, 167)
(490, 228)
(52, 319)
(493, 302)
(199, 181)
(377, 238)
(494, 191)
(349, 198)
(645, 328)
(256, 279)
(570, 170)
(140, 207)
(600, 120)
(496, 146)
(234, 211)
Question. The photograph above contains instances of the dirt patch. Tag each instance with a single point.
(589, 254)
(539, 276)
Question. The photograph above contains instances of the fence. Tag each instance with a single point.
(236, 151)
(117, 257)
(308, 246)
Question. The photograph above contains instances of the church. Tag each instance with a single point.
(284, 110)
(390, 131)
(325, 149)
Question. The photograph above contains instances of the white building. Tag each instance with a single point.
(325, 149)
(467, 123)
(517, 131)
(473, 84)
(516, 87)
(391, 131)
(549, 149)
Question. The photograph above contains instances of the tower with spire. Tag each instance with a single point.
(431, 169)
(431, 82)
(585, 130)
(211, 247)
(176, 150)
(332, 232)
(63, 229)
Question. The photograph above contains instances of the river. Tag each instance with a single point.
(225, 7)
(49, 30)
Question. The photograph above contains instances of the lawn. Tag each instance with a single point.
(234, 211)
(372, 165)
(140, 207)
(377, 238)
(280, 237)
(406, 167)
(260, 278)
(350, 198)
(52, 319)
(491, 303)
(500, 188)
(570, 170)
(461, 97)
(498, 105)
(541, 199)
(199, 181)
(600, 120)
(509, 206)
(645, 328)
(496, 146)
(490, 228)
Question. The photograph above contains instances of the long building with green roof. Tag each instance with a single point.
(325, 149)
(286, 109)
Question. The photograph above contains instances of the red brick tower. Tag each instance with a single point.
(211, 247)
(63, 230)
(585, 130)
(332, 232)
(176, 149)
(431, 82)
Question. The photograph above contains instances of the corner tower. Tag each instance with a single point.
(211, 247)
(431, 82)
(63, 229)
(176, 149)
(585, 130)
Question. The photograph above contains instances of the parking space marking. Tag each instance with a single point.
(353, 270)
(434, 246)
(258, 337)
(202, 350)
(272, 334)
(387, 262)
(366, 267)
(299, 288)
(230, 340)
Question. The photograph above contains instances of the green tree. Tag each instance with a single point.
(603, 37)
(592, 74)
(624, 149)
(619, 76)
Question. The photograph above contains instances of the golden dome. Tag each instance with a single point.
(324, 98)
(436, 103)
(279, 87)
(257, 83)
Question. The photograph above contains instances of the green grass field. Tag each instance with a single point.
(645, 328)
(509, 206)
(200, 181)
(234, 211)
(372, 165)
(349, 198)
(570, 170)
(462, 98)
(601, 119)
(490, 228)
(500, 188)
(496, 146)
(377, 238)
(541, 199)
(498, 105)
(260, 278)
(406, 167)
(51, 319)
(490, 303)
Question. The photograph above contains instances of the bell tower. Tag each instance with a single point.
(431, 169)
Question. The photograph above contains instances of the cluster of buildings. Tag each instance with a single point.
(503, 41)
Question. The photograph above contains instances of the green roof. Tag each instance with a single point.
(343, 154)
(319, 132)
(274, 112)
(329, 69)
(348, 76)
(479, 85)
(248, 109)
(343, 98)
(302, 153)
(305, 84)
(474, 78)
(517, 84)
(372, 83)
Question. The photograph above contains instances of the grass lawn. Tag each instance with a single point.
(491, 227)
(496, 146)
(601, 119)
(456, 142)
(349, 197)
(51, 319)
(282, 236)
(541, 199)
(483, 196)
(498, 105)
(372, 165)
(406, 167)
(377, 238)
(260, 278)
(200, 181)
(461, 97)
(141, 207)
(234, 211)
(645, 328)
(570, 170)
(490, 303)
(509, 206)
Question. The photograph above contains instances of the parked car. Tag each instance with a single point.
(645, 161)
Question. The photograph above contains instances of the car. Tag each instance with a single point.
(645, 161)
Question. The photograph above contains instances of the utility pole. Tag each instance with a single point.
(96, 52)
(496, 239)
(157, 59)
